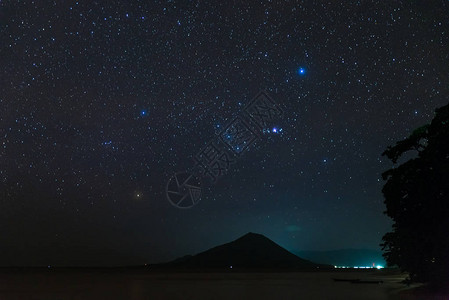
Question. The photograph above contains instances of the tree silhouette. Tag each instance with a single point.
(417, 199)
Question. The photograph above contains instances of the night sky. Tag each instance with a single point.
(101, 102)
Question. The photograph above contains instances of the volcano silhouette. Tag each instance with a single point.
(250, 252)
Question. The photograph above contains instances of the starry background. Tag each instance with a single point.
(102, 101)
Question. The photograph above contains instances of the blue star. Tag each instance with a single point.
(275, 130)
(301, 71)
(143, 113)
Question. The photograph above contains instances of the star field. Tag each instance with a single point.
(101, 102)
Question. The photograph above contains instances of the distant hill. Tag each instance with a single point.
(345, 257)
(250, 252)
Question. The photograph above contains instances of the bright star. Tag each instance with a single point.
(138, 195)
(301, 71)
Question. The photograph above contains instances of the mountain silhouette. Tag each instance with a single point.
(250, 252)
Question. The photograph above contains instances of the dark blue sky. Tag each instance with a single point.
(101, 102)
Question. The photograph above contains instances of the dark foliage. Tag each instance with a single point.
(417, 199)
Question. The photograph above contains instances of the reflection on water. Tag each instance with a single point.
(140, 285)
